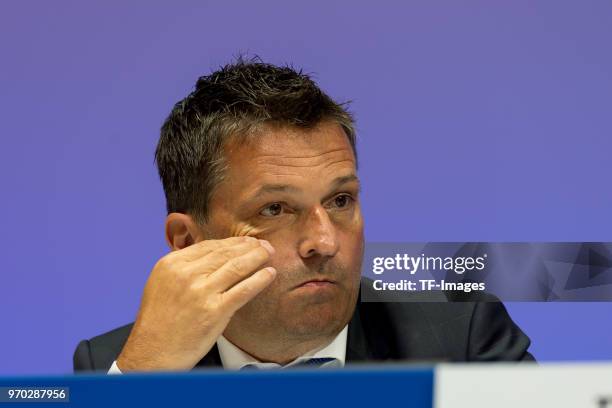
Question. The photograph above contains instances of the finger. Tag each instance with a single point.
(237, 269)
(203, 248)
(243, 292)
(217, 258)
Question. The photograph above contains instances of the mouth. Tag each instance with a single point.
(316, 283)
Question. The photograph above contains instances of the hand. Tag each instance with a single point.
(190, 298)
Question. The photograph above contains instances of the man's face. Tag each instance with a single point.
(298, 189)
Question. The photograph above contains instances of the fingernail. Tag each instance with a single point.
(267, 245)
(249, 239)
(272, 270)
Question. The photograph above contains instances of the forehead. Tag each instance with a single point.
(289, 153)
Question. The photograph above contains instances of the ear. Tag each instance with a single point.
(181, 231)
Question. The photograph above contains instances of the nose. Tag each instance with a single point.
(318, 235)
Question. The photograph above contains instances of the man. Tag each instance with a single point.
(259, 170)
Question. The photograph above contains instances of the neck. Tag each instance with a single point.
(276, 350)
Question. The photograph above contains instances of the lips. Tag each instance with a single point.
(315, 283)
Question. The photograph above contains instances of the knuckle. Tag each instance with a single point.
(234, 266)
(182, 278)
(199, 287)
(246, 290)
(254, 244)
(224, 252)
(212, 305)
(236, 276)
(225, 300)
(240, 295)
(262, 253)
(206, 245)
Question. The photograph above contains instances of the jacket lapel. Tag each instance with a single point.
(210, 360)
(366, 341)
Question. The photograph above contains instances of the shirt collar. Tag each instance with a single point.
(233, 358)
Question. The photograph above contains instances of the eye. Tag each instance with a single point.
(272, 210)
(342, 201)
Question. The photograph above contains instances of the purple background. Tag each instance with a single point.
(478, 121)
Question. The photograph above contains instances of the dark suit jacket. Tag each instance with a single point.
(428, 329)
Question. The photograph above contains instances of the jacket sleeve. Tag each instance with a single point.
(493, 336)
(82, 360)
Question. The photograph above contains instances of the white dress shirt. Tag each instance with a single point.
(233, 358)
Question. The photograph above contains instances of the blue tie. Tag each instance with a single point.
(310, 363)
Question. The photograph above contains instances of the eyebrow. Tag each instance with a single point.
(286, 188)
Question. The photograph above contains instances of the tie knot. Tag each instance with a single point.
(309, 363)
(312, 362)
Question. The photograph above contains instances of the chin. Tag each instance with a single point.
(317, 319)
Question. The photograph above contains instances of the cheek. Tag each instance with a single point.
(288, 263)
(246, 229)
(351, 224)
(352, 239)
(352, 257)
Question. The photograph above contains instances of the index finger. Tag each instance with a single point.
(203, 248)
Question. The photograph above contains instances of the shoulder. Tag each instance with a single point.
(443, 326)
(434, 306)
(423, 325)
(99, 352)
